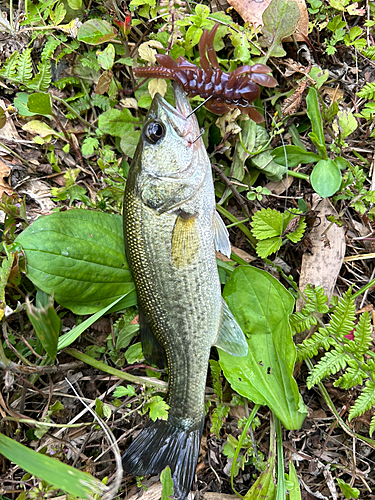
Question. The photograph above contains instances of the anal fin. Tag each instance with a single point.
(221, 236)
(231, 338)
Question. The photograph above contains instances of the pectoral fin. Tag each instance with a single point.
(221, 236)
(152, 350)
(185, 241)
(231, 338)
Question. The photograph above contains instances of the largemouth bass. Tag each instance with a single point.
(171, 230)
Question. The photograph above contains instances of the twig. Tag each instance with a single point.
(236, 194)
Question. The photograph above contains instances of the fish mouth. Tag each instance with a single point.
(181, 118)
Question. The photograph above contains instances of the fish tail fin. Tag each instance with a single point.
(174, 442)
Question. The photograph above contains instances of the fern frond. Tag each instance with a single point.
(331, 363)
(352, 377)
(365, 401)
(9, 69)
(49, 48)
(42, 80)
(362, 334)
(372, 425)
(69, 80)
(301, 321)
(25, 67)
(101, 101)
(315, 303)
(342, 321)
(79, 106)
(368, 91)
(311, 346)
(369, 52)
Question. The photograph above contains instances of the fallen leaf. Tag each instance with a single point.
(4, 172)
(37, 127)
(323, 264)
(146, 51)
(40, 192)
(251, 12)
(157, 85)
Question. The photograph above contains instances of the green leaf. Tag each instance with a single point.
(267, 224)
(264, 487)
(167, 483)
(270, 245)
(47, 325)
(326, 178)
(128, 143)
(20, 102)
(106, 57)
(96, 31)
(89, 145)
(347, 123)
(280, 20)
(62, 476)
(294, 490)
(40, 104)
(349, 491)
(292, 156)
(3, 117)
(261, 305)
(75, 4)
(5, 269)
(122, 391)
(158, 408)
(134, 353)
(78, 256)
(313, 112)
(117, 123)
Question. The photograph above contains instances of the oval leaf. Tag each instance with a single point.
(292, 156)
(326, 178)
(261, 305)
(40, 104)
(96, 31)
(78, 257)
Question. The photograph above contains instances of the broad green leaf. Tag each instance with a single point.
(264, 161)
(47, 325)
(75, 4)
(78, 256)
(292, 156)
(106, 57)
(40, 104)
(262, 306)
(117, 123)
(96, 31)
(313, 112)
(347, 124)
(167, 483)
(62, 476)
(20, 102)
(134, 353)
(280, 20)
(129, 141)
(158, 408)
(264, 487)
(326, 178)
(349, 491)
(264, 248)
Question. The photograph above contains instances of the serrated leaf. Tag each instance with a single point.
(40, 104)
(89, 145)
(78, 256)
(96, 31)
(267, 224)
(364, 402)
(117, 123)
(158, 408)
(297, 234)
(261, 305)
(326, 178)
(62, 476)
(122, 391)
(270, 245)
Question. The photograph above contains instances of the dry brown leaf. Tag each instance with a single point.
(243, 255)
(210, 495)
(4, 172)
(251, 12)
(292, 104)
(323, 264)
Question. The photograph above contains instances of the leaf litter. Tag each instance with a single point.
(323, 453)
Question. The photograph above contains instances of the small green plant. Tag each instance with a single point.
(347, 349)
(273, 229)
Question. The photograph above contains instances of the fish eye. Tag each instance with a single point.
(154, 131)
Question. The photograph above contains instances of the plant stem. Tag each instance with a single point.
(299, 175)
(159, 384)
(240, 224)
(363, 289)
(239, 445)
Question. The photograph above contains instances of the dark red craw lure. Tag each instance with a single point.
(226, 90)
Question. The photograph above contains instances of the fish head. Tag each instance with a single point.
(170, 164)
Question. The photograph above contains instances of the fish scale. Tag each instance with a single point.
(171, 229)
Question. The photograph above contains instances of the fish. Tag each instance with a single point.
(172, 232)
